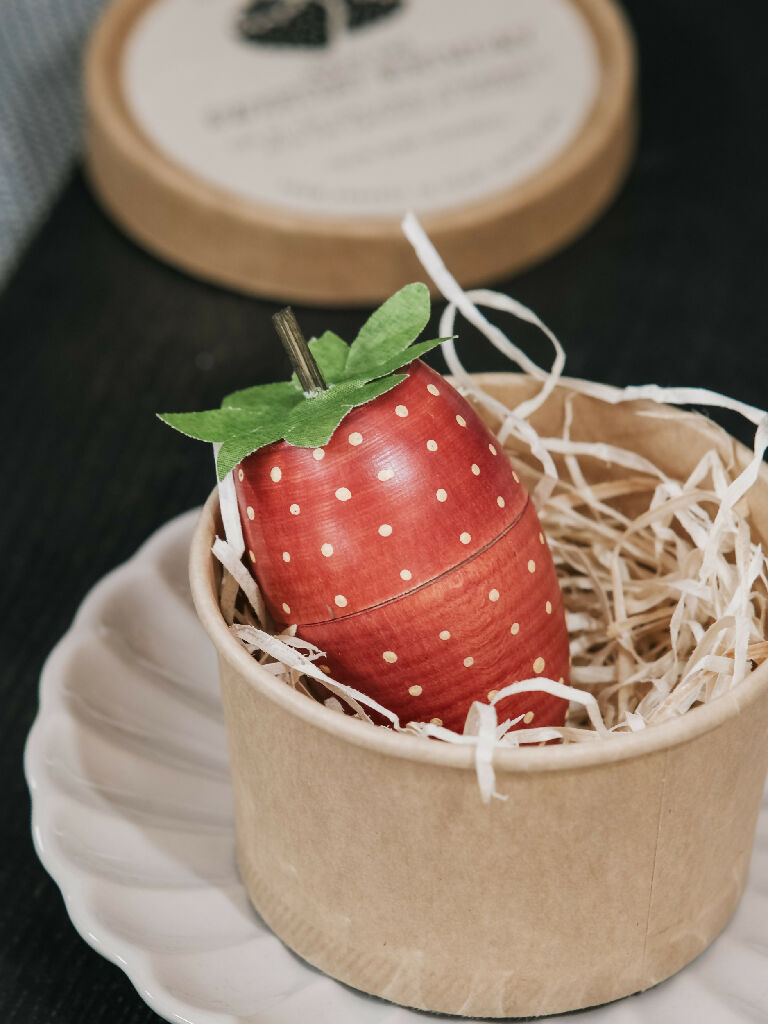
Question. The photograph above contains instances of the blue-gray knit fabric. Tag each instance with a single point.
(41, 44)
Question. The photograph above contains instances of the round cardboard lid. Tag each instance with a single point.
(282, 164)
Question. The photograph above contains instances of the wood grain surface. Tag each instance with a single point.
(408, 550)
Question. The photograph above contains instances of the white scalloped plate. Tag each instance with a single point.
(132, 816)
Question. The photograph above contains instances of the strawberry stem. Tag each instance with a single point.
(295, 344)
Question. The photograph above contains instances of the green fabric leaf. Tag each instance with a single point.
(210, 425)
(254, 417)
(238, 447)
(330, 353)
(266, 399)
(372, 389)
(311, 425)
(402, 359)
(390, 329)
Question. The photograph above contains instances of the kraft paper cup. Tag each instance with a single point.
(609, 867)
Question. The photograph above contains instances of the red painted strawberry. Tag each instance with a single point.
(382, 519)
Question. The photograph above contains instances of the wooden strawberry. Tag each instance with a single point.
(381, 517)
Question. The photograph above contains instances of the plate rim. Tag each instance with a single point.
(129, 957)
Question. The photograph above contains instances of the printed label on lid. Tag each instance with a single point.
(416, 110)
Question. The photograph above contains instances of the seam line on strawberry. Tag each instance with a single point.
(426, 583)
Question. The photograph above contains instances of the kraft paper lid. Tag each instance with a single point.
(284, 170)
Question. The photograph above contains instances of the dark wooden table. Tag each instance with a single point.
(96, 336)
